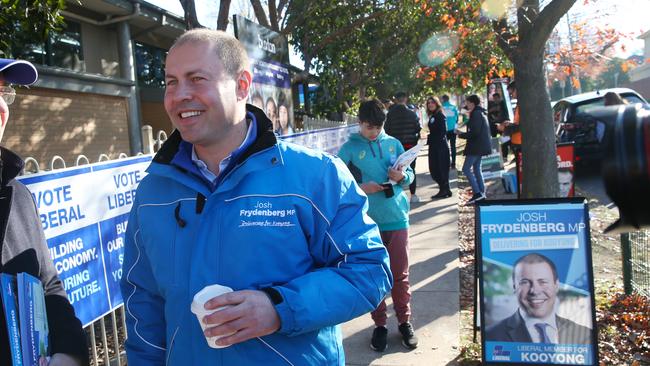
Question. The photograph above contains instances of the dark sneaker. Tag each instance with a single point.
(409, 339)
(379, 340)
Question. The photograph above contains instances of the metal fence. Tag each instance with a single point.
(636, 262)
(106, 335)
(320, 123)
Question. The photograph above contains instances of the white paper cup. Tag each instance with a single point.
(199, 310)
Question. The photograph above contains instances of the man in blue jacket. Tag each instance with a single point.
(451, 112)
(225, 203)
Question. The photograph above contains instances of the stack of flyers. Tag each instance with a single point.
(33, 320)
(23, 302)
(10, 307)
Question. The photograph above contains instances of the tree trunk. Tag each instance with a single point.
(224, 15)
(191, 21)
(536, 123)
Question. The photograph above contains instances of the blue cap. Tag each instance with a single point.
(18, 71)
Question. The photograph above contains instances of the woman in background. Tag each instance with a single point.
(439, 154)
(478, 145)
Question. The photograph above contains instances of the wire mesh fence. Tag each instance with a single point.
(636, 262)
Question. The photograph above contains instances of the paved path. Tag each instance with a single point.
(434, 285)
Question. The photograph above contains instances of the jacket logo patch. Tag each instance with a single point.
(362, 154)
(391, 149)
(265, 215)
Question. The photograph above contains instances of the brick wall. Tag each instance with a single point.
(46, 122)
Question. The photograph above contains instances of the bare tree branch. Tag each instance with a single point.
(189, 8)
(545, 22)
(504, 38)
(273, 15)
(296, 20)
(224, 14)
(259, 13)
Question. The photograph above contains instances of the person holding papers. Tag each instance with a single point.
(370, 155)
(22, 242)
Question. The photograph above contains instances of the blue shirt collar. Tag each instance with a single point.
(187, 159)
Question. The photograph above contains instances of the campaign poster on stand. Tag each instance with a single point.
(536, 282)
(565, 169)
(83, 212)
(492, 165)
(268, 52)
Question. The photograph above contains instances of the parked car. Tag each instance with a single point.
(573, 123)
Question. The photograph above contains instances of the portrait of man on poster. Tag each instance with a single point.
(536, 286)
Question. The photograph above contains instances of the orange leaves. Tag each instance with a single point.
(464, 82)
(448, 20)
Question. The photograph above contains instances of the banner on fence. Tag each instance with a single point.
(536, 282)
(84, 212)
(329, 140)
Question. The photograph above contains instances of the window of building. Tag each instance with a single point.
(62, 49)
(150, 65)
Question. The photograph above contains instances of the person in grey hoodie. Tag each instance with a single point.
(22, 242)
(478, 145)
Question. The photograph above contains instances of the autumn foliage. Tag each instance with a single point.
(624, 336)
(476, 58)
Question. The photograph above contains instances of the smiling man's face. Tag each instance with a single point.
(536, 288)
(200, 98)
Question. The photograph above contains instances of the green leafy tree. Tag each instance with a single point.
(35, 20)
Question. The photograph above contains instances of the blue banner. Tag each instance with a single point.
(84, 212)
(536, 283)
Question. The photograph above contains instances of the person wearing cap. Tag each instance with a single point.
(22, 241)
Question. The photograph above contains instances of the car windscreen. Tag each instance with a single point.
(586, 108)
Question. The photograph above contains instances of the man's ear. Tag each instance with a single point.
(244, 81)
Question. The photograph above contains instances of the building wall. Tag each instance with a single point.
(45, 122)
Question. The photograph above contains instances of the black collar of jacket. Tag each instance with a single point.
(265, 139)
(10, 166)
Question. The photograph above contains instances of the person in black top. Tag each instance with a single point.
(404, 125)
(478, 145)
(439, 154)
(22, 241)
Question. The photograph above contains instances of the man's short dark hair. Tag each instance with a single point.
(372, 112)
(445, 98)
(512, 86)
(534, 258)
(474, 99)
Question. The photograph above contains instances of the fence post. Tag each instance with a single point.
(626, 252)
(147, 139)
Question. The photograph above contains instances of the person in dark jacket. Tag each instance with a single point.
(439, 154)
(478, 145)
(22, 241)
(403, 124)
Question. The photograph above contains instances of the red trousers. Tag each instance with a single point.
(397, 244)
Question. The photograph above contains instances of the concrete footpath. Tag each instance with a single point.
(434, 278)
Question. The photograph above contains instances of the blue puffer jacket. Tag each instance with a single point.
(285, 217)
(373, 158)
